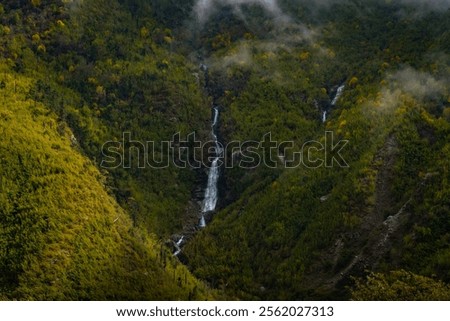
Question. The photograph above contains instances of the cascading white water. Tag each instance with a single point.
(180, 241)
(202, 222)
(212, 191)
(210, 201)
(216, 119)
(338, 95)
(178, 246)
(339, 92)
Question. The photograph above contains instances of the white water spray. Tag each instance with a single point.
(338, 95)
(212, 191)
(339, 92)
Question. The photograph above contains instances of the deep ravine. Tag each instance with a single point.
(211, 192)
(338, 95)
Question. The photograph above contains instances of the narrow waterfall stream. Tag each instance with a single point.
(211, 194)
(178, 246)
(338, 95)
(324, 116)
(211, 191)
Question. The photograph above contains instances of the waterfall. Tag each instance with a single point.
(338, 95)
(339, 92)
(202, 222)
(216, 119)
(211, 195)
(178, 246)
(180, 241)
(212, 190)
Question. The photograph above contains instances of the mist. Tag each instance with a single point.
(203, 9)
(408, 83)
(419, 85)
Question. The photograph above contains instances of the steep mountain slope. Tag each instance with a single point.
(107, 73)
(303, 233)
(62, 233)
(372, 77)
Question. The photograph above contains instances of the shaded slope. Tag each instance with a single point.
(62, 236)
(300, 233)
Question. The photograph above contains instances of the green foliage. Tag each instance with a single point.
(76, 76)
(399, 286)
(290, 231)
(62, 236)
(123, 81)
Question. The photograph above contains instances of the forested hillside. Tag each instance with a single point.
(69, 229)
(77, 74)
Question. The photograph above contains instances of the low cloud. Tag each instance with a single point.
(409, 83)
(203, 9)
(286, 40)
(242, 56)
(417, 84)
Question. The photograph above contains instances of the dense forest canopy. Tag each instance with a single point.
(76, 74)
